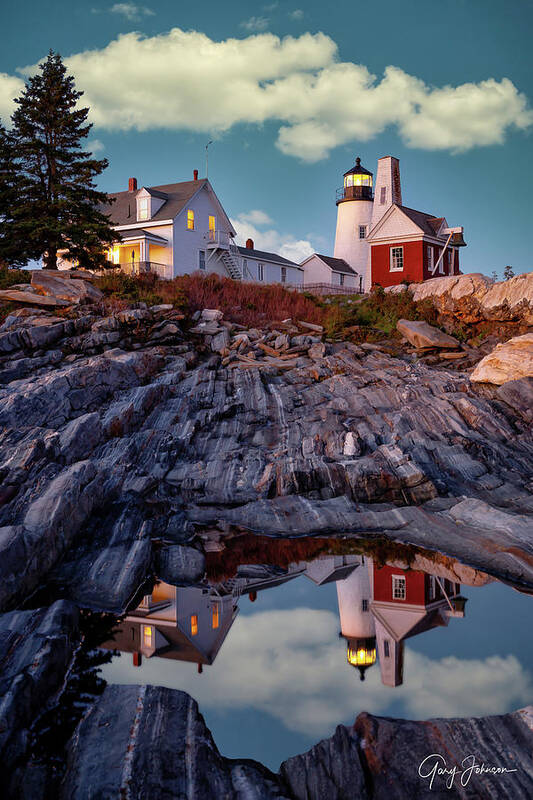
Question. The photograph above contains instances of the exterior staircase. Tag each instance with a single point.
(232, 264)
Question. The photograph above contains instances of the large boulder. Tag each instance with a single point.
(70, 289)
(420, 334)
(508, 361)
(476, 297)
(32, 298)
(519, 396)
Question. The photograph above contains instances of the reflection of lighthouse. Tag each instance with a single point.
(357, 623)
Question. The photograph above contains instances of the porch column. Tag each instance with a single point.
(142, 250)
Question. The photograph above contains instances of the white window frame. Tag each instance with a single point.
(284, 274)
(396, 256)
(399, 587)
(260, 272)
(143, 208)
(430, 253)
(201, 261)
(362, 230)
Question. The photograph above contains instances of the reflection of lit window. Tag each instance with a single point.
(148, 633)
(215, 617)
(362, 653)
(190, 219)
(194, 625)
(398, 587)
(386, 649)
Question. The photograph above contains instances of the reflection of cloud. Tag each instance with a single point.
(291, 664)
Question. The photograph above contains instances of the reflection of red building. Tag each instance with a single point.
(406, 603)
(381, 607)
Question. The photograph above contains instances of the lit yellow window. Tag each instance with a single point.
(115, 255)
(215, 617)
(190, 219)
(147, 635)
(212, 223)
(194, 625)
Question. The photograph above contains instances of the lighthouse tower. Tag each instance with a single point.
(357, 622)
(354, 214)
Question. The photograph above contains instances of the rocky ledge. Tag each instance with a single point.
(128, 433)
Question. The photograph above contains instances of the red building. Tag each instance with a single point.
(409, 245)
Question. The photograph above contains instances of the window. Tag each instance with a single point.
(362, 231)
(396, 259)
(429, 251)
(398, 587)
(341, 279)
(386, 648)
(361, 284)
(201, 259)
(284, 274)
(215, 618)
(383, 195)
(143, 208)
(147, 635)
(194, 625)
(364, 605)
(260, 272)
(190, 219)
(212, 223)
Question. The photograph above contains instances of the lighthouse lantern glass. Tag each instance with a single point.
(361, 656)
(358, 180)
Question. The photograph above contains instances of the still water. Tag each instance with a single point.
(278, 656)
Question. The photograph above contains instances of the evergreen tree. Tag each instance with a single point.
(57, 206)
(10, 253)
(508, 273)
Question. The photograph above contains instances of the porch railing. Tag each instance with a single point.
(164, 271)
(218, 239)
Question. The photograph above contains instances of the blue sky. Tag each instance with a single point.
(446, 87)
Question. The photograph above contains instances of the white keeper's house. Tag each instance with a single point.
(181, 228)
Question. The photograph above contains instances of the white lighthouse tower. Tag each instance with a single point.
(354, 215)
(354, 596)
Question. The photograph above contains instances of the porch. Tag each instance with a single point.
(141, 251)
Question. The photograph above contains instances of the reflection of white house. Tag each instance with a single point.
(381, 607)
(179, 228)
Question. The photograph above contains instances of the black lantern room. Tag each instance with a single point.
(357, 184)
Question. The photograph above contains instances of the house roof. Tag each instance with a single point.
(137, 233)
(176, 195)
(261, 255)
(429, 223)
(337, 264)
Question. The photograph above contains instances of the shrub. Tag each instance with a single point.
(9, 277)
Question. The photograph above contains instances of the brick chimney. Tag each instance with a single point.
(132, 185)
(195, 175)
(249, 244)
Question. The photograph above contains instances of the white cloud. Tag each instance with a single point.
(95, 146)
(132, 12)
(297, 14)
(10, 87)
(183, 80)
(251, 225)
(292, 665)
(255, 24)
